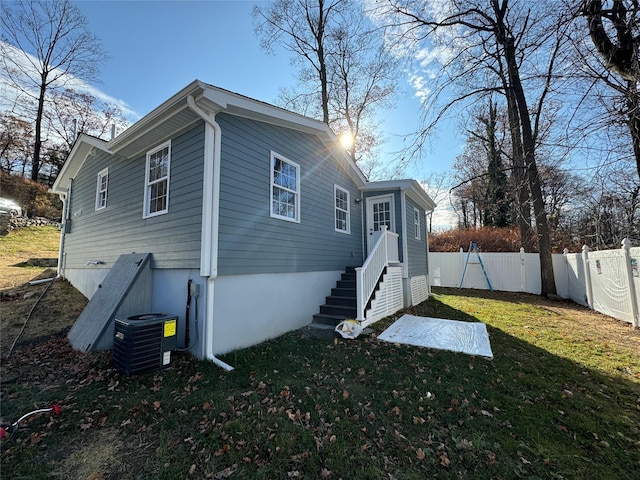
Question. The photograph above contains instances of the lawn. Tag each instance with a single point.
(560, 399)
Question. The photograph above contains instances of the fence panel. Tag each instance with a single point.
(606, 284)
(576, 281)
(444, 269)
(610, 284)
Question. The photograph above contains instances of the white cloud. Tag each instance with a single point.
(444, 218)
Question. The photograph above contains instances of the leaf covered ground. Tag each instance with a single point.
(560, 399)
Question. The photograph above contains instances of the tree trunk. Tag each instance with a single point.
(528, 148)
(523, 212)
(37, 145)
(618, 47)
(633, 120)
(324, 82)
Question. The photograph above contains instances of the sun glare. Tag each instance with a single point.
(346, 139)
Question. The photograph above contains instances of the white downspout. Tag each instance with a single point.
(66, 217)
(210, 221)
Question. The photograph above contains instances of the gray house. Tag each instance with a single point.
(254, 215)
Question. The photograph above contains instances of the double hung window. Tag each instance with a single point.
(101, 189)
(341, 198)
(416, 223)
(285, 189)
(156, 198)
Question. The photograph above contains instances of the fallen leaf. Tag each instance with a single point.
(192, 469)
(444, 460)
(420, 454)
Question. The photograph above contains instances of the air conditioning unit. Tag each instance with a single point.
(143, 343)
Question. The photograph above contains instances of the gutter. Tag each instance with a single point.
(210, 221)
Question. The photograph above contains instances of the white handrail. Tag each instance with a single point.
(384, 252)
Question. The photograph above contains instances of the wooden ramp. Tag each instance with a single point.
(125, 291)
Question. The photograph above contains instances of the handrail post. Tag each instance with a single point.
(386, 246)
(359, 295)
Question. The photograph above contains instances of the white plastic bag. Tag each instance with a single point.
(349, 328)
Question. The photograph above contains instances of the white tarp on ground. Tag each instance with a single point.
(453, 335)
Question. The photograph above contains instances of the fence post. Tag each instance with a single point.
(587, 276)
(626, 252)
(523, 271)
(461, 265)
(565, 254)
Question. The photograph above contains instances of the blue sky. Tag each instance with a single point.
(158, 47)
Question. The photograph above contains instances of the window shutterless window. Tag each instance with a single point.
(101, 189)
(341, 199)
(416, 223)
(156, 196)
(285, 189)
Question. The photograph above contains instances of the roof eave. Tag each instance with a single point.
(407, 185)
(82, 148)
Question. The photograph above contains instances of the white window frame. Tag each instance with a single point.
(273, 185)
(337, 209)
(148, 185)
(417, 224)
(102, 190)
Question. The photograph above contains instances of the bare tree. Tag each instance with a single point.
(614, 28)
(54, 47)
(16, 139)
(495, 47)
(71, 113)
(344, 73)
(436, 186)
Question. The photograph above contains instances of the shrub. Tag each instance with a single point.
(33, 197)
(488, 239)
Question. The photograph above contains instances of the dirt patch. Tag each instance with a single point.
(35, 312)
(94, 457)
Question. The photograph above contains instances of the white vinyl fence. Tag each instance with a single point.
(607, 281)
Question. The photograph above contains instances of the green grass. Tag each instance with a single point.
(43, 238)
(547, 406)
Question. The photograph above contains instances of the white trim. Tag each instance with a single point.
(413, 188)
(296, 192)
(347, 211)
(147, 186)
(82, 148)
(392, 207)
(104, 173)
(405, 239)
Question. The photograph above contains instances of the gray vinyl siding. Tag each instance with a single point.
(416, 249)
(250, 240)
(172, 238)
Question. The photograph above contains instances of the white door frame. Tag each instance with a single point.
(392, 220)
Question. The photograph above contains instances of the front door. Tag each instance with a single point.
(380, 212)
